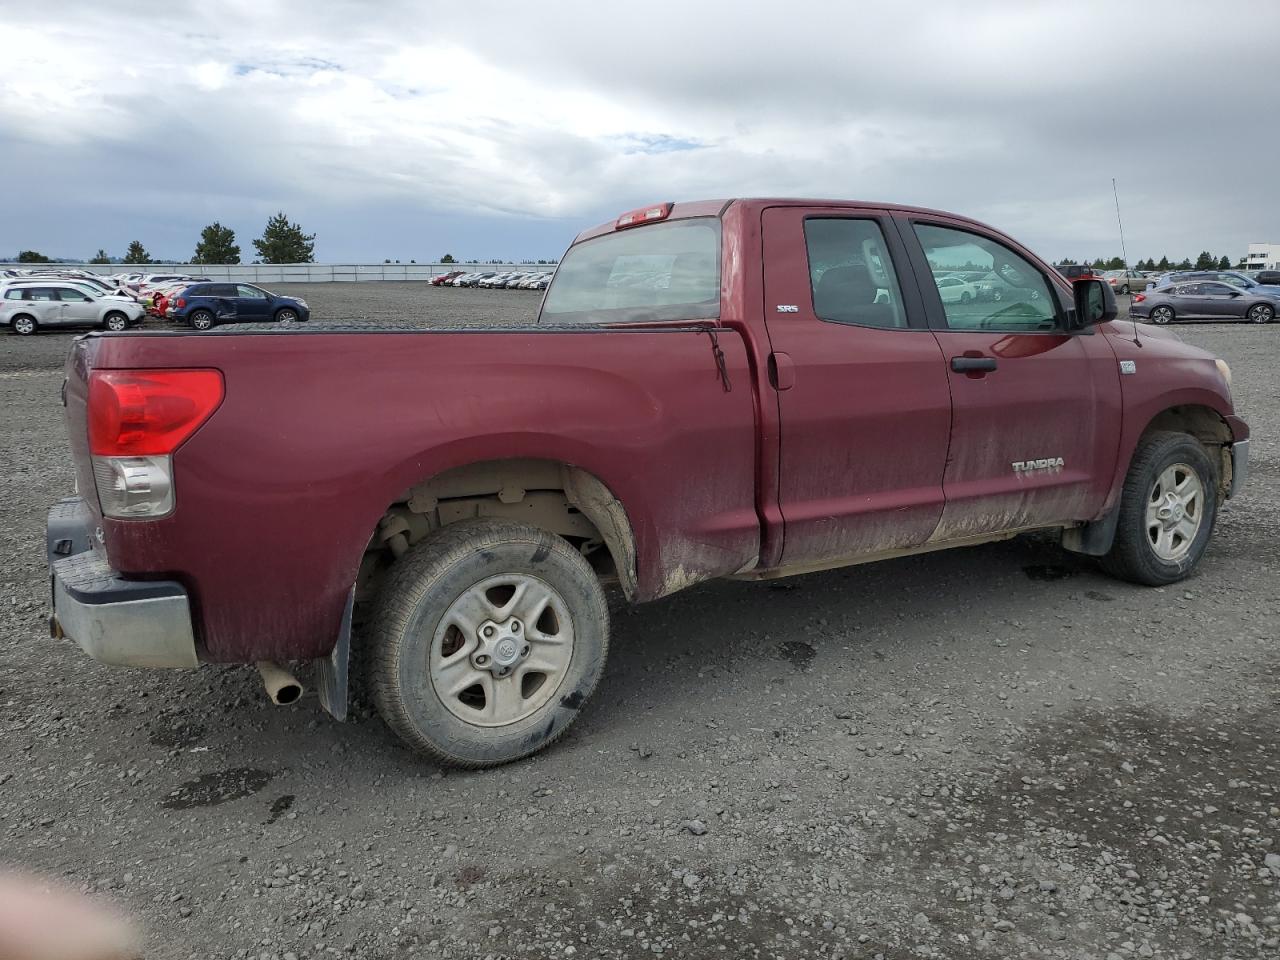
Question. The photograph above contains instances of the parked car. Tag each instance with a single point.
(444, 278)
(1233, 277)
(1078, 271)
(1125, 281)
(1204, 300)
(27, 309)
(1268, 277)
(466, 493)
(205, 305)
(955, 290)
(88, 288)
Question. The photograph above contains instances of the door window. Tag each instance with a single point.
(251, 293)
(851, 276)
(1012, 295)
(1188, 290)
(41, 293)
(72, 296)
(1218, 290)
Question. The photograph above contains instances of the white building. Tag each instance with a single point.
(1263, 256)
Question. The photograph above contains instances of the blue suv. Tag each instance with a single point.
(204, 305)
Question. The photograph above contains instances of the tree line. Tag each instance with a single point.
(281, 242)
(1206, 261)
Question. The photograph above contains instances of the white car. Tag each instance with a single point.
(26, 309)
(955, 290)
(92, 289)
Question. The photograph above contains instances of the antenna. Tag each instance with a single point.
(1124, 255)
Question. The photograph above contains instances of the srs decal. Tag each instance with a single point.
(1024, 468)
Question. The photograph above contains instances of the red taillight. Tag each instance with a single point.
(148, 412)
(659, 211)
(180, 303)
(1139, 297)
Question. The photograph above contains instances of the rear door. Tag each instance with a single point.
(1188, 300)
(44, 305)
(1034, 406)
(860, 385)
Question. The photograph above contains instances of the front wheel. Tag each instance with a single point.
(1262, 313)
(287, 315)
(1167, 511)
(488, 638)
(116, 322)
(1161, 315)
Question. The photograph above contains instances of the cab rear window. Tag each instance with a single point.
(663, 271)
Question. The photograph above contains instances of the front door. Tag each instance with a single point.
(860, 384)
(1221, 300)
(250, 303)
(78, 309)
(1034, 407)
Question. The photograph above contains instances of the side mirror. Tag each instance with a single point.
(1095, 302)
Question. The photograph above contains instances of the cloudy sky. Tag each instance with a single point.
(407, 130)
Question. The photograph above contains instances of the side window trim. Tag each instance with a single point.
(932, 300)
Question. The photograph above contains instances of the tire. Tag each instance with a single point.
(286, 315)
(24, 325)
(1133, 555)
(965, 298)
(1262, 313)
(1125, 289)
(115, 321)
(202, 320)
(1161, 315)
(421, 655)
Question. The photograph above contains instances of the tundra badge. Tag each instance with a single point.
(1048, 465)
(1128, 366)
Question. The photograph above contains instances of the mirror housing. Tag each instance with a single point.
(1095, 303)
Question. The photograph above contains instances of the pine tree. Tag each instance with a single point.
(284, 242)
(136, 253)
(217, 245)
(1224, 263)
(101, 257)
(1206, 261)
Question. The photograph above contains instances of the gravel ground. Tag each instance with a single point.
(994, 752)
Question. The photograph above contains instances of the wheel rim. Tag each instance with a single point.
(501, 650)
(201, 322)
(1175, 512)
(23, 325)
(287, 316)
(1161, 315)
(1124, 289)
(116, 323)
(1260, 314)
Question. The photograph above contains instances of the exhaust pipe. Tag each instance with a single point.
(282, 686)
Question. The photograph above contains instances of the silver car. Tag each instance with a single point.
(1204, 300)
(27, 309)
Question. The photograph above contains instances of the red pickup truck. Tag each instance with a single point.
(748, 389)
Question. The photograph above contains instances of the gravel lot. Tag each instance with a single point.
(993, 752)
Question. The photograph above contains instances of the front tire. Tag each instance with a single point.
(1168, 508)
(287, 315)
(1262, 313)
(202, 320)
(1162, 315)
(116, 321)
(488, 638)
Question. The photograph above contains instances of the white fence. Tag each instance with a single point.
(292, 272)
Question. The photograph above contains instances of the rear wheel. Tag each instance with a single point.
(488, 638)
(1162, 315)
(1262, 313)
(116, 321)
(24, 325)
(1167, 511)
(1125, 289)
(202, 320)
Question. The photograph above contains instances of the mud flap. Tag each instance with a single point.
(1093, 539)
(331, 672)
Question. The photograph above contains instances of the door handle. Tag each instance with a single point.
(972, 365)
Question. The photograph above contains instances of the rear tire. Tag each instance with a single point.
(202, 320)
(439, 684)
(1162, 315)
(1156, 550)
(24, 325)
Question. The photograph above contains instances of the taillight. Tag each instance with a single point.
(180, 303)
(137, 418)
(1139, 297)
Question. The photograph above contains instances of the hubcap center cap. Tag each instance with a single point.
(501, 646)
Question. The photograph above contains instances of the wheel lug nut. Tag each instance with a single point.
(515, 626)
(481, 660)
(488, 631)
(525, 651)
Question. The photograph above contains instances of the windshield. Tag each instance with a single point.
(663, 271)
